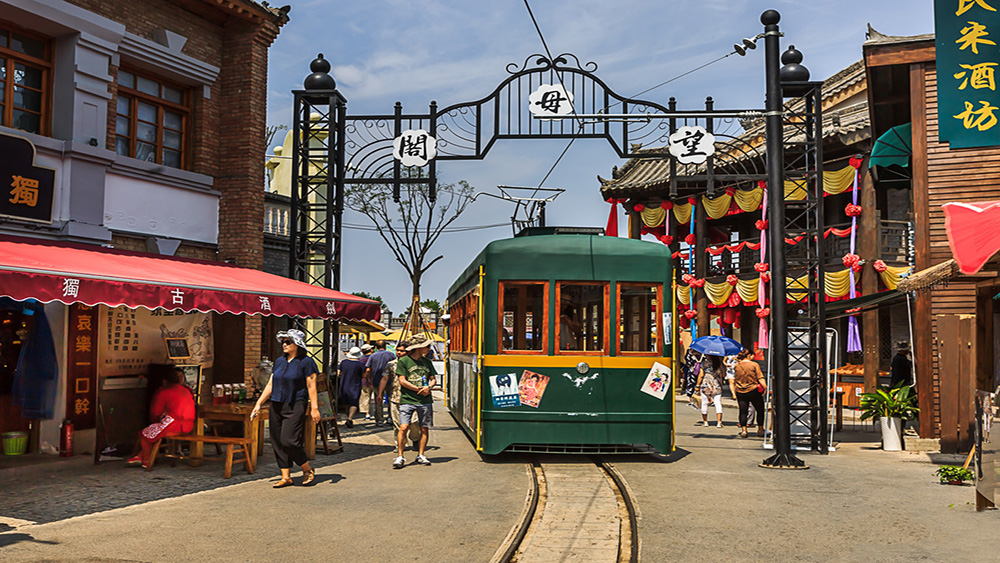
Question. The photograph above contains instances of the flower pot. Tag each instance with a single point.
(955, 482)
(892, 433)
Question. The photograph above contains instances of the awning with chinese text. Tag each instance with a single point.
(79, 273)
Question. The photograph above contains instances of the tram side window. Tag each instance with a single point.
(523, 321)
(637, 318)
(581, 317)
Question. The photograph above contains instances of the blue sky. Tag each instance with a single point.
(453, 51)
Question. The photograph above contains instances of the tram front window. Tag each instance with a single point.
(523, 319)
(637, 318)
(581, 317)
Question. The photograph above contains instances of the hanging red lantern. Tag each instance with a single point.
(761, 267)
(638, 207)
(731, 279)
(852, 210)
(667, 205)
(879, 266)
(765, 277)
(763, 312)
(761, 224)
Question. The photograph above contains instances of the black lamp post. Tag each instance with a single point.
(783, 457)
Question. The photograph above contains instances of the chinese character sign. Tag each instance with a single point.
(27, 188)
(966, 33)
(81, 360)
(414, 147)
(692, 145)
(550, 100)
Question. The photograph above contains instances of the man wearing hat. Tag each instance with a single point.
(902, 367)
(364, 403)
(416, 376)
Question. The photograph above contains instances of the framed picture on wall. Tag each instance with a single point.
(177, 348)
(192, 378)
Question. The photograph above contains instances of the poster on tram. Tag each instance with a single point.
(532, 388)
(505, 391)
(657, 381)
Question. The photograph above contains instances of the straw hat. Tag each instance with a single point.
(354, 353)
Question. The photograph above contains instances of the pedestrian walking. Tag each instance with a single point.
(392, 385)
(375, 368)
(709, 386)
(292, 381)
(416, 376)
(364, 401)
(351, 372)
(690, 370)
(748, 386)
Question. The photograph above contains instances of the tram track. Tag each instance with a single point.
(574, 511)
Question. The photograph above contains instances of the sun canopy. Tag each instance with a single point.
(79, 273)
(894, 147)
(400, 334)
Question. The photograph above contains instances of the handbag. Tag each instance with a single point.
(153, 431)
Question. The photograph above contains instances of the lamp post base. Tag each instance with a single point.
(783, 461)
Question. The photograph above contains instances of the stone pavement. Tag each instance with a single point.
(360, 509)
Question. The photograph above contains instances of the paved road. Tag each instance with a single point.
(710, 501)
(458, 509)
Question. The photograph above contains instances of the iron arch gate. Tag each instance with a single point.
(332, 149)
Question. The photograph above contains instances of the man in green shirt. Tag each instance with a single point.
(416, 376)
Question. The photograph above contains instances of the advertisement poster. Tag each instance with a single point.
(324, 405)
(657, 381)
(505, 391)
(132, 339)
(532, 388)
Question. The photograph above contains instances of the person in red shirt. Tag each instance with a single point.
(171, 413)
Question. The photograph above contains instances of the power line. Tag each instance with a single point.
(358, 227)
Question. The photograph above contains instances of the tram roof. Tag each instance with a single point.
(570, 257)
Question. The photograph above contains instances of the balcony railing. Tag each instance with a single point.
(276, 215)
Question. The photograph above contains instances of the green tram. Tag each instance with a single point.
(554, 338)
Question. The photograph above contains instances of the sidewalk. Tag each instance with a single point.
(359, 510)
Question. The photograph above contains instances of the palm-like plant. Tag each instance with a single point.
(889, 403)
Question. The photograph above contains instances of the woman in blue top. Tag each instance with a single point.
(293, 379)
(352, 371)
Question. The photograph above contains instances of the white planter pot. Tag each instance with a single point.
(892, 433)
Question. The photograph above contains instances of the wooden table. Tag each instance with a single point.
(238, 412)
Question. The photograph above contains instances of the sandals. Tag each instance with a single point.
(282, 483)
(308, 477)
(743, 434)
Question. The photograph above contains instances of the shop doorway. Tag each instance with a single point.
(14, 329)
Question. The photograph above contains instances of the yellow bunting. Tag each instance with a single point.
(792, 284)
(684, 294)
(682, 212)
(838, 284)
(839, 181)
(653, 216)
(718, 293)
(749, 200)
(718, 207)
(893, 275)
(747, 289)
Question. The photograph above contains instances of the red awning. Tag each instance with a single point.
(81, 273)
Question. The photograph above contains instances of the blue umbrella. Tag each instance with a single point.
(716, 346)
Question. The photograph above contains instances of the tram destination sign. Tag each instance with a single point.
(27, 188)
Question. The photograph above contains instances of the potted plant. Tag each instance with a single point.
(891, 407)
(954, 475)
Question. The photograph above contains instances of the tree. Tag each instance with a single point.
(432, 304)
(367, 295)
(411, 227)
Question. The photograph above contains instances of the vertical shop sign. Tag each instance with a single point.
(967, 55)
(81, 385)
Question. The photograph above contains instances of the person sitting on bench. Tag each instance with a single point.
(171, 413)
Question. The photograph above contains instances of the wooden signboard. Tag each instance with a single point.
(81, 385)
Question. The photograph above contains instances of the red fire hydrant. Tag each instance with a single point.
(66, 438)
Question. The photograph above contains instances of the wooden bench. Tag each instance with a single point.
(234, 446)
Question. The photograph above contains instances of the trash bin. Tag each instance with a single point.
(15, 443)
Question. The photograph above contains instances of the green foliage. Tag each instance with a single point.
(889, 403)
(948, 473)
(431, 304)
(367, 295)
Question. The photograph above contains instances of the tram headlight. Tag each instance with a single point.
(582, 368)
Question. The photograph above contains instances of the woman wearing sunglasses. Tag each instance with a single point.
(292, 381)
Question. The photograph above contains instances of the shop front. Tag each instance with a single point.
(86, 333)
